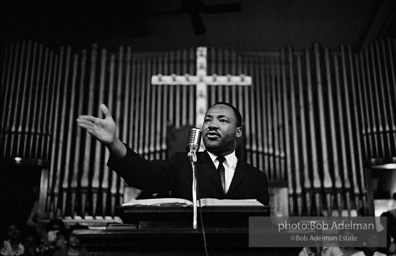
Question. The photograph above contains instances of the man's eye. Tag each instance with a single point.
(224, 121)
(206, 120)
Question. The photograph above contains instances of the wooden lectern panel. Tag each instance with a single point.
(174, 241)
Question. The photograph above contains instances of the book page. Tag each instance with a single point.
(185, 202)
(229, 202)
(159, 202)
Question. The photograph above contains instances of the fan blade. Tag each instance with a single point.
(222, 8)
(198, 24)
(165, 13)
(192, 7)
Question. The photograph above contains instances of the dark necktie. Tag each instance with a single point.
(221, 171)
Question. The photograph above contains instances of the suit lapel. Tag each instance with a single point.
(240, 173)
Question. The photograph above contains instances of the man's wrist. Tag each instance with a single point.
(117, 148)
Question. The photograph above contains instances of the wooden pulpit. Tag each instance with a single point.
(224, 230)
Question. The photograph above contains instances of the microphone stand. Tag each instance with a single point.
(193, 159)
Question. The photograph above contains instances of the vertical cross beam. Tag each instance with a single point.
(201, 87)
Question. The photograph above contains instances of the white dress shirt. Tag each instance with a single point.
(229, 164)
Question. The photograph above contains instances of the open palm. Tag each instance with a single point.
(103, 130)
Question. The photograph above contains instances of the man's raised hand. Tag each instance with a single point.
(103, 129)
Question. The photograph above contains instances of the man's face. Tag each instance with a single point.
(13, 231)
(219, 130)
(74, 242)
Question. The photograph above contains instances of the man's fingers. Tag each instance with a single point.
(88, 127)
(86, 117)
(88, 121)
(90, 118)
(104, 110)
(85, 125)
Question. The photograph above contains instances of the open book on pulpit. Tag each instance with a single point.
(213, 210)
(186, 203)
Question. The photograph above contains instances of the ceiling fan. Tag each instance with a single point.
(195, 8)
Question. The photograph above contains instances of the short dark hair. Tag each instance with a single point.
(238, 115)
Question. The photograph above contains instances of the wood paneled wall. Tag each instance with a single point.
(312, 117)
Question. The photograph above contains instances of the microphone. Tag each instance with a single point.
(194, 141)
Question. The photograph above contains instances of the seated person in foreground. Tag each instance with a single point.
(13, 245)
(222, 125)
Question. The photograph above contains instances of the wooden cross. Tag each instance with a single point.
(201, 80)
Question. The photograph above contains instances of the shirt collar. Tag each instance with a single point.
(231, 158)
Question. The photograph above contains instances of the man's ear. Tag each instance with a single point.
(239, 132)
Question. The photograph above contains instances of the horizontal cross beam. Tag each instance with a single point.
(208, 80)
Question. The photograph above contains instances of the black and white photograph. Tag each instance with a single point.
(198, 127)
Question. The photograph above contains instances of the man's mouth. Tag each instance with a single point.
(212, 135)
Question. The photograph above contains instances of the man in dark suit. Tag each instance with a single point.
(222, 125)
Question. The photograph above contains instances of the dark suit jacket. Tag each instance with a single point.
(175, 175)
